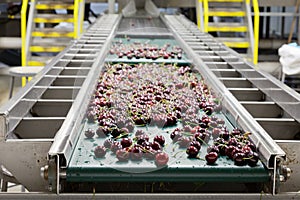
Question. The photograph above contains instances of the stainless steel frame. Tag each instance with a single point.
(39, 126)
(236, 74)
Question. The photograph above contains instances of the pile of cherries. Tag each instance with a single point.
(145, 50)
(164, 95)
(235, 144)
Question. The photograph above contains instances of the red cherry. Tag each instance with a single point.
(100, 151)
(161, 159)
(211, 158)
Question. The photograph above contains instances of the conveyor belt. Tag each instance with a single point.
(84, 167)
(238, 76)
(48, 117)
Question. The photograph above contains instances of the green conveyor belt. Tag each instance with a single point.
(84, 167)
(153, 41)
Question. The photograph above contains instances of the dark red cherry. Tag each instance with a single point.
(89, 133)
(211, 158)
(160, 139)
(196, 144)
(213, 149)
(192, 151)
(253, 160)
(126, 142)
(239, 159)
(155, 146)
(100, 151)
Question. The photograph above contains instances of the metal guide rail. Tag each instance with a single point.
(46, 119)
(31, 120)
(272, 105)
(83, 167)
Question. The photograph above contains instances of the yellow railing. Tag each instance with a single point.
(256, 31)
(23, 30)
(205, 12)
(205, 27)
(23, 36)
(78, 17)
(77, 21)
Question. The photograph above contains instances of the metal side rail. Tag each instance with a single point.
(34, 119)
(234, 78)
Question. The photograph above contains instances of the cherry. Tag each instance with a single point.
(196, 144)
(126, 142)
(203, 125)
(208, 110)
(211, 158)
(141, 139)
(115, 132)
(115, 146)
(213, 149)
(216, 132)
(100, 151)
(239, 159)
(184, 142)
(161, 159)
(160, 139)
(122, 155)
(199, 137)
(213, 124)
(192, 151)
(214, 118)
(90, 116)
(89, 133)
(233, 142)
(150, 154)
(235, 132)
(229, 150)
(102, 132)
(129, 126)
(253, 160)
(175, 135)
(187, 128)
(107, 143)
(155, 145)
(136, 153)
(222, 149)
(225, 135)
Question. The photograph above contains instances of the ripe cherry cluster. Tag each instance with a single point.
(139, 50)
(162, 95)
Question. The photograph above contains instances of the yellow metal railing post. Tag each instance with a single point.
(23, 31)
(205, 10)
(256, 31)
(23, 36)
(78, 17)
(75, 16)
